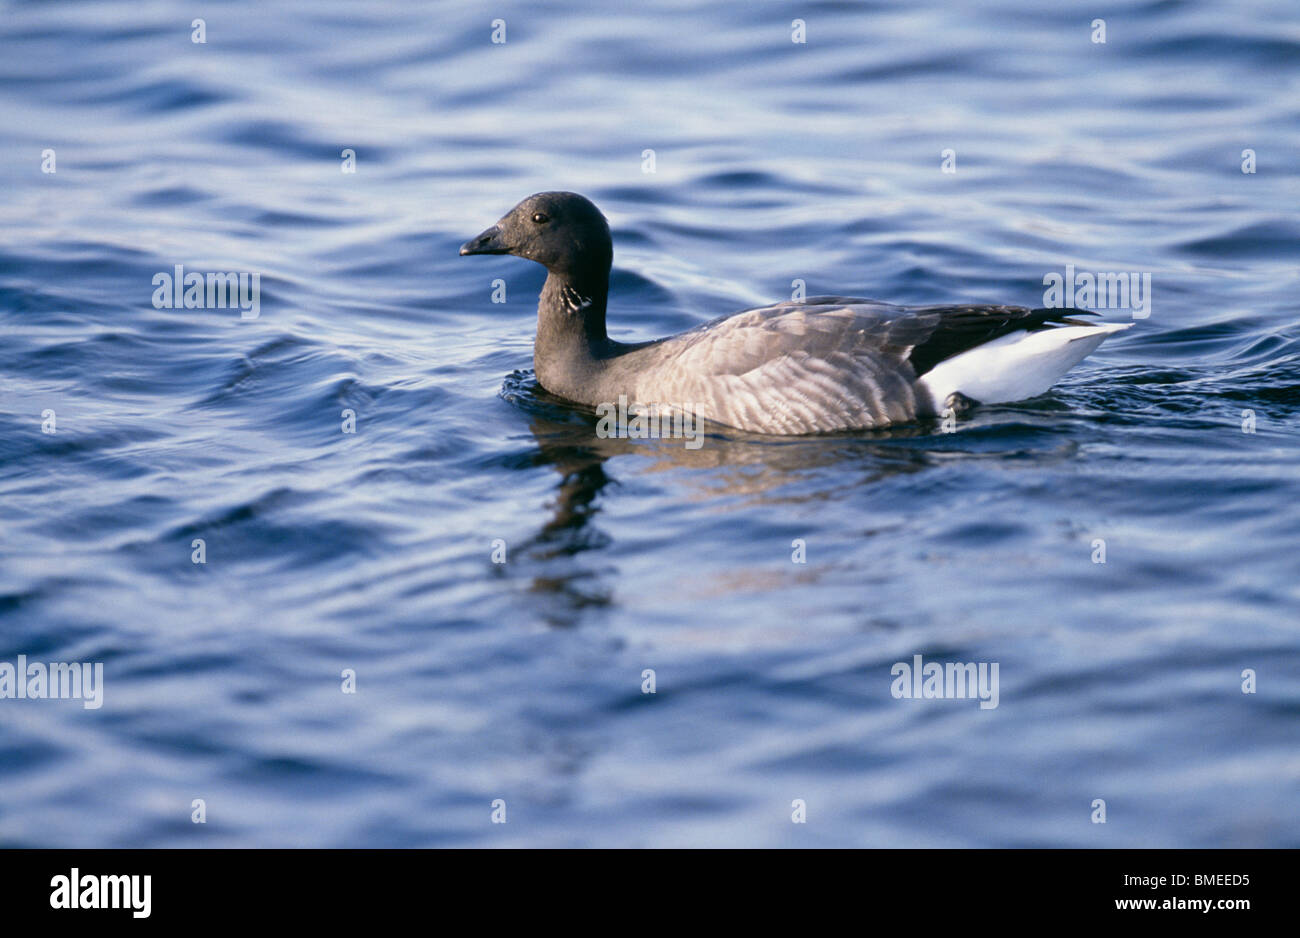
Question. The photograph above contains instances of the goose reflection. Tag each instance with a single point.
(568, 558)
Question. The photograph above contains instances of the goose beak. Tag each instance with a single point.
(489, 242)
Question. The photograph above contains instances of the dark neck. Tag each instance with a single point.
(571, 311)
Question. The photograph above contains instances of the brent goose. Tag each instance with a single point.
(827, 363)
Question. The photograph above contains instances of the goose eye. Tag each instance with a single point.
(540, 218)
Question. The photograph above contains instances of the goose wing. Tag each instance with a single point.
(826, 364)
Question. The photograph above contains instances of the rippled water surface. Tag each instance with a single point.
(372, 551)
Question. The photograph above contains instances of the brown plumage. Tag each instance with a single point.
(821, 365)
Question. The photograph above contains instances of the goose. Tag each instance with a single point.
(821, 365)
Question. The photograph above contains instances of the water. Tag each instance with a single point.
(522, 681)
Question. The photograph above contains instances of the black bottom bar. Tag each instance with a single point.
(655, 888)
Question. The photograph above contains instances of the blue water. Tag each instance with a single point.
(372, 551)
